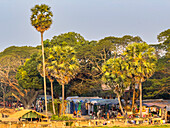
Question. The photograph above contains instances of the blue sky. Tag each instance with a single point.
(93, 19)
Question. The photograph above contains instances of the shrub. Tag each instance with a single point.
(61, 118)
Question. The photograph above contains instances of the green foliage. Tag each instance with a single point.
(10, 59)
(160, 50)
(164, 37)
(67, 39)
(115, 74)
(120, 43)
(61, 118)
(28, 76)
(158, 86)
(63, 63)
(56, 104)
(91, 56)
(24, 51)
(142, 61)
(41, 17)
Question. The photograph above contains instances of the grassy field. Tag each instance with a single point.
(155, 126)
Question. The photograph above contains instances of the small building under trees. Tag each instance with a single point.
(25, 115)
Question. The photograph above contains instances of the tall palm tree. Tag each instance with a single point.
(115, 76)
(41, 19)
(131, 71)
(142, 64)
(64, 64)
(51, 79)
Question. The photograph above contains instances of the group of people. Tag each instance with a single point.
(77, 114)
(101, 114)
(39, 107)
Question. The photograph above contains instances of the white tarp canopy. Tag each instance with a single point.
(108, 101)
(82, 99)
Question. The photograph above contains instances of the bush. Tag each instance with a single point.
(61, 118)
(56, 104)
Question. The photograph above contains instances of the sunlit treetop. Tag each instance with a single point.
(41, 17)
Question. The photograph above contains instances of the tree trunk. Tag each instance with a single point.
(120, 104)
(140, 89)
(28, 100)
(44, 73)
(133, 100)
(62, 110)
(4, 97)
(27, 106)
(52, 97)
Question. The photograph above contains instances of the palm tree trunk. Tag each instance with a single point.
(140, 89)
(4, 97)
(133, 100)
(52, 97)
(118, 96)
(44, 73)
(62, 99)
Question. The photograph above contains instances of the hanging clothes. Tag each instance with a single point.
(79, 106)
(71, 107)
(160, 112)
(92, 107)
(89, 109)
(68, 108)
(95, 108)
(149, 110)
(76, 107)
(83, 109)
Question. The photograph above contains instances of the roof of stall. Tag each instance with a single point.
(160, 103)
(81, 99)
(93, 100)
(108, 101)
(24, 114)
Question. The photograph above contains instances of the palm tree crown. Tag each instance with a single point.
(141, 59)
(41, 17)
(63, 62)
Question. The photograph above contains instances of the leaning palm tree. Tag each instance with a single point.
(41, 19)
(64, 64)
(142, 64)
(115, 77)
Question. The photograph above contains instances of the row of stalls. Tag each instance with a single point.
(158, 108)
(88, 105)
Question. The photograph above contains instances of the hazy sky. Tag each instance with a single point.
(93, 19)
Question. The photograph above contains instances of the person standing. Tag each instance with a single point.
(107, 115)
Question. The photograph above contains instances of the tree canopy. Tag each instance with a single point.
(41, 17)
(91, 56)
(28, 76)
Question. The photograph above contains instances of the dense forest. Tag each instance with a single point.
(21, 74)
